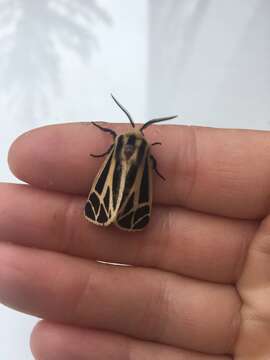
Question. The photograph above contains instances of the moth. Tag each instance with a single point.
(122, 190)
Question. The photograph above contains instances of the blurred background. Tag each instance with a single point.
(206, 60)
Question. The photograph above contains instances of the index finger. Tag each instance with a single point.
(218, 171)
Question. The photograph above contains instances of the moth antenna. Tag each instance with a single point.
(153, 121)
(125, 111)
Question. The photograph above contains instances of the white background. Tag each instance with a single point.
(206, 60)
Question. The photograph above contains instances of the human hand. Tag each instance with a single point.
(198, 287)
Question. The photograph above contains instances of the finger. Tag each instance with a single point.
(185, 242)
(217, 171)
(61, 342)
(254, 289)
(143, 303)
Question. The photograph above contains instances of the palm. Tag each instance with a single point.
(253, 287)
(205, 246)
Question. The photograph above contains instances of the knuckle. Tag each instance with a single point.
(185, 163)
(70, 229)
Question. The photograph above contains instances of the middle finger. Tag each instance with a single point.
(185, 242)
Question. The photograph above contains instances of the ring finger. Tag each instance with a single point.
(144, 303)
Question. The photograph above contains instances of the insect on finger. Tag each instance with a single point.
(122, 190)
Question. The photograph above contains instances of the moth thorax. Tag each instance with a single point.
(129, 151)
(131, 144)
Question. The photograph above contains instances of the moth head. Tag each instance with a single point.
(132, 143)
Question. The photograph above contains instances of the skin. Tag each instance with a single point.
(198, 287)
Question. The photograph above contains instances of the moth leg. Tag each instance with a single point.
(103, 154)
(113, 133)
(156, 143)
(154, 162)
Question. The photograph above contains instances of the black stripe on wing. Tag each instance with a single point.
(103, 176)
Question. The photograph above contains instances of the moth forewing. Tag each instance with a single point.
(101, 208)
(122, 190)
(135, 210)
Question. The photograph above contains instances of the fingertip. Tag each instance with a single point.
(45, 336)
(35, 338)
(36, 157)
(14, 153)
(23, 149)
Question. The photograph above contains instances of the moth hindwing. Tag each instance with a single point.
(122, 190)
